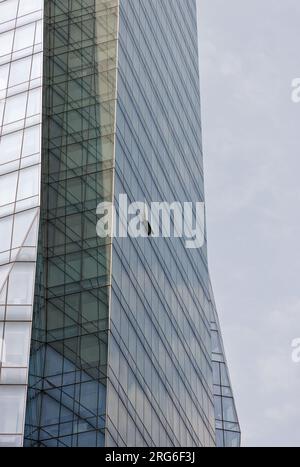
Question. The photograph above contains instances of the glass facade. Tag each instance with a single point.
(121, 336)
(227, 424)
(160, 388)
(67, 381)
(21, 57)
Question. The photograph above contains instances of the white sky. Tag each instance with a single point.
(249, 54)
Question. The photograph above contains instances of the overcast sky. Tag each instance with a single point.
(249, 54)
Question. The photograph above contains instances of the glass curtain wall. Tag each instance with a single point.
(228, 433)
(160, 390)
(67, 385)
(21, 57)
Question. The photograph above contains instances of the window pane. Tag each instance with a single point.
(37, 66)
(20, 71)
(12, 404)
(20, 287)
(23, 221)
(11, 441)
(28, 7)
(220, 438)
(24, 36)
(218, 407)
(224, 375)
(39, 32)
(8, 185)
(31, 144)
(13, 375)
(6, 40)
(34, 102)
(216, 346)
(1, 109)
(16, 342)
(8, 10)
(18, 313)
(1, 343)
(4, 69)
(228, 409)
(4, 271)
(10, 147)
(5, 233)
(232, 439)
(15, 108)
(28, 182)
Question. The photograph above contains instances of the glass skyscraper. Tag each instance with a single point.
(103, 341)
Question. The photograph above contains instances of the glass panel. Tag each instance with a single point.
(228, 409)
(22, 223)
(8, 185)
(28, 182)
(232, 439)
(6, 41)
(16, 344)
(15, 108)
(11, 441)
(34, 102)
(10, 147)
(5, 233)
(216, 345)
(224, 375)
(39, 32)
(220, 438)
(8, 10)
(37, 66)
(18, 313)
(24, 36)
(12, 400)
(2, 346)
(31, 143)
(4, 271)
(218, 407)
(4, 69)
(26, 6)
(3, 284)
(20, 288)
(13, 376)
(20, 71)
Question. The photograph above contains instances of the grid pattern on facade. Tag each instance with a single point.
(160, 374)
(124, 340)
(21, 52)
(67, 386)
(228, 433)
